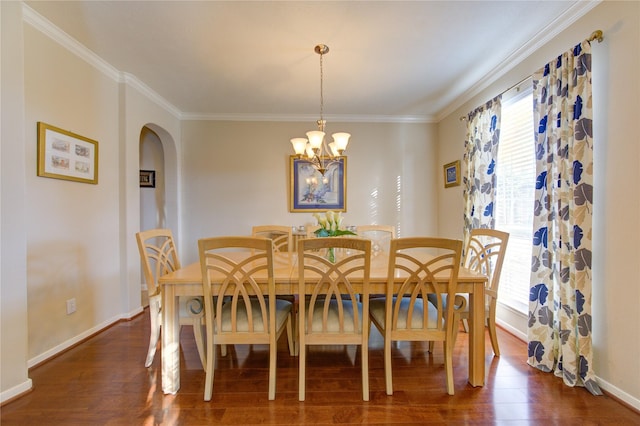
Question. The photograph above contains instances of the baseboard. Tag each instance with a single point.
(56, 350)
(519, 320)
(512, 320)
(619, 395)
(16, 391)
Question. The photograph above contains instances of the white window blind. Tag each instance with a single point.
(515, 173)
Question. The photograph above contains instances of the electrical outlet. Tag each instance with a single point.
(71, 306)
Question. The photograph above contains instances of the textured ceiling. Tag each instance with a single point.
(388, 60)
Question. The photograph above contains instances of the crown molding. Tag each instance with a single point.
(310, 118)
(562, 22)
(43, 25)
(572, 14)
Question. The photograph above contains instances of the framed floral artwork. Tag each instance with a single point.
(66, 155)
(452, 174)
(310, 191)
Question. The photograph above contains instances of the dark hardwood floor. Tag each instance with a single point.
(103, 381)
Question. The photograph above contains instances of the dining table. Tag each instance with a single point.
(187, 281)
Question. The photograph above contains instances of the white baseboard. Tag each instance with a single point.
(76, 339)
(619, 394)
(16, 391)
(512, 320)
(515, 322)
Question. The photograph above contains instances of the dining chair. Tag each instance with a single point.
(484, 254)
(310, 230)
(245, 312)
(404, 314)
(331, 313)
(380, 236)
(282, 236)
(158, 257)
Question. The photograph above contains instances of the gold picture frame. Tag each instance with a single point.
(451, 174)
(66, 155)
(309, 191)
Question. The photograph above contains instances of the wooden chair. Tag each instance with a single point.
(282, 236)
(405, 313)
(158, 257)
(332, 314)
(310, 230)
(380, 236)
(485, 254)
(243, 313)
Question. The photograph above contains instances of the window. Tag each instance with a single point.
(516, 169)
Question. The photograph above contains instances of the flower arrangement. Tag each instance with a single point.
(330, 224)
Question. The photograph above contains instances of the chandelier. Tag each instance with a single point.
(313, 148)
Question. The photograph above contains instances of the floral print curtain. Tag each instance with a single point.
(479, 164)
(559, 328)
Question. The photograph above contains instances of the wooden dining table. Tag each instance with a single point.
(187, 281)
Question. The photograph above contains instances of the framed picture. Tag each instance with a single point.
(309, 191)
(65, 155)
(147, 178)
(452, 174)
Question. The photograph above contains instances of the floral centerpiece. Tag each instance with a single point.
(330, 224)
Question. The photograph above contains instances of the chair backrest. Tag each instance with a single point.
(330, 283)
(282, 236)
(158, 256)
(419, 266)
(232, 268)
(485, 254)
(380, 236)
(310, 230)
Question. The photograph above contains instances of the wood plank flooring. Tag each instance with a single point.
(103, 381)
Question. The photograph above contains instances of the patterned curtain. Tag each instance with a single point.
(479, 163)
(559, 329)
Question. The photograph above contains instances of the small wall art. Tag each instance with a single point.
(147, 178)
(66, 155)
(452, 174)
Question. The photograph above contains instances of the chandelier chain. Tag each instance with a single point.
(321, 123)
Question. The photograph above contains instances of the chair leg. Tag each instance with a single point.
(431, 346)
(456, 326)
(365, 371)
(492, 331)
(154, 313)
(387, 366)
(465, 325)
(273, 353)
(198, 333)
(448, 366)
(302, 359)
(210, 356)
(291, 335)
(209, 370)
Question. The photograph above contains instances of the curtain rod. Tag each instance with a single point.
(596, 35)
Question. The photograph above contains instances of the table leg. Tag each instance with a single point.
(476, 336)
(170, 341)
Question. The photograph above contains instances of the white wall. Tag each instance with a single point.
(63, 239)
(72, 227)
(616, 280)
(236, 175)
(13, 246)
